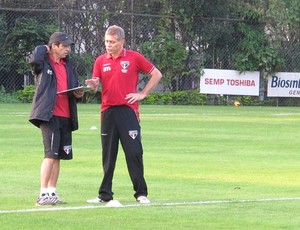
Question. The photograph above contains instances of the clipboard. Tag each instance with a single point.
(83, 88)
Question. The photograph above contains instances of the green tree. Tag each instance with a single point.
(168, 54)
(205, 31)
(283, 30)
(22, 32)
(254, 51)
(26, 34)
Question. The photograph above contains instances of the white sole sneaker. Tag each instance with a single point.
(143, 200)
(44, 201)
(95, 201)
(55, 199)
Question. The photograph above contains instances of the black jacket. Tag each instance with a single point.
(46, 89)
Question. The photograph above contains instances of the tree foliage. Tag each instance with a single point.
(254, 51)
(24, 36)
(168, 54)
(21, 34)
(180, 37)
(283, 30)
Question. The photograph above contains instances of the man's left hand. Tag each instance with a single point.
(134, 97)
(78, 93)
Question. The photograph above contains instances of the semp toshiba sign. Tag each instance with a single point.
(231, 82)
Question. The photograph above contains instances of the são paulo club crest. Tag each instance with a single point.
(67, 149)
(133, 134)
(124, 65)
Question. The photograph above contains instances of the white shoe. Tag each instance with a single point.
(95, 201)
(143, 200)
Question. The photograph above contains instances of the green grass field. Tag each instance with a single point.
(207, 167)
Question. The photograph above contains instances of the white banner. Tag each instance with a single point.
(284, 84)
(230, 82)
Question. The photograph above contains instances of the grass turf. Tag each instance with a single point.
(191, 154)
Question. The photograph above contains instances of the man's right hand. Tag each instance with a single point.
(93, 83)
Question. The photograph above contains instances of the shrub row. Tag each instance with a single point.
(8, 97)
(190, 97)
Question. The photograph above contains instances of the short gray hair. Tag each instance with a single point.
(116, 31)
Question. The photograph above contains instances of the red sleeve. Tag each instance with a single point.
(144, 64)
(97, 68)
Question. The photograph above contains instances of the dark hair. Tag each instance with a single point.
(55, 43)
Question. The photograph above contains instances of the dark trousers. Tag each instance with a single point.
(120, 123)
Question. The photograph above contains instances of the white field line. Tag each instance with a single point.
(60, 208)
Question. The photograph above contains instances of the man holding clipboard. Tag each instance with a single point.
(53, 111)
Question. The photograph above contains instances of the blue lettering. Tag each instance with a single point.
(274, 81)
(280, 83)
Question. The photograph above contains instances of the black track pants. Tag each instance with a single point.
(120, 123)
